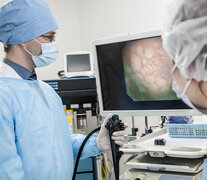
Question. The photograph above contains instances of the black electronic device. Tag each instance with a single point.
(75, 90)
(115, 124)
(160, 141)
(80, 90)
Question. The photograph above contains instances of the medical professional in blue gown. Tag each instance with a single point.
(185, 41)
(35, 140)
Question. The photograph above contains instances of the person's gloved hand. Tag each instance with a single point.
(103, 141)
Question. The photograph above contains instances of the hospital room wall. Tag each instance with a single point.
(100, 19)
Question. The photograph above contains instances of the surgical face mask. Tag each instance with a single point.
(180, 94)
(49, 54)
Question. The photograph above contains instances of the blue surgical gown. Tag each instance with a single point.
(35, 140)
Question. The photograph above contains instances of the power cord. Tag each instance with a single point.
(114, 124)
(61, 74)
(81, 149)
(163, 121)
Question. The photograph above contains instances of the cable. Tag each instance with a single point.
(81, 149)
(61, 74)
(110, 168)
(163, 120)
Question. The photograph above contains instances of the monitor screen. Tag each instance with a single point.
(78, 62)
(133, 76)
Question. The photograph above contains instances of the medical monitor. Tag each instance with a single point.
(78, 63)
(133, 77)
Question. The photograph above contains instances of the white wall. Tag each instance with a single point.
(107, 18)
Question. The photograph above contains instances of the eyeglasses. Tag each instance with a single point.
(51, 37)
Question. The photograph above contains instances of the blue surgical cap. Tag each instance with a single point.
(24, 20)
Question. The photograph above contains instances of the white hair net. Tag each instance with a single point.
(184, 36)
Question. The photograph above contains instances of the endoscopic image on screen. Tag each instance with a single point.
(135, 75)
(147, 70)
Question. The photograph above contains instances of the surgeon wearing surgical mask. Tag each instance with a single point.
(49, 51)
(35, 140)
(184, 36)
